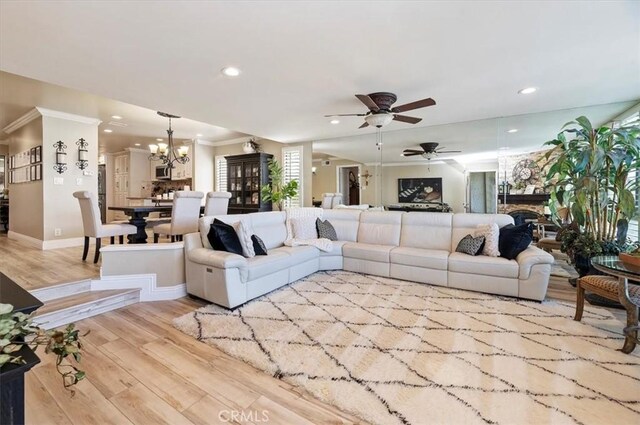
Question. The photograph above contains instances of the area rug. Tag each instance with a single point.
(397, 352)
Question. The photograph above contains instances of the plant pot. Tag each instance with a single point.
(582, 264)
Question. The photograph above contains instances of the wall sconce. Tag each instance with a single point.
(314, 169)
(366, 176)
(61, 157)
(83, 154)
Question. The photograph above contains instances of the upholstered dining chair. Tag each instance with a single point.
(327, 199)
(337, 200)
(217, 203)
(184, 216)
(93, 227)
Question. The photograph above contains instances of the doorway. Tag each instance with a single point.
(348, 183)
(482, 196)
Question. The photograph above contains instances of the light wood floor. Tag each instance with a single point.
(143, 371)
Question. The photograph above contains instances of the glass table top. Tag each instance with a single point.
(613, 263)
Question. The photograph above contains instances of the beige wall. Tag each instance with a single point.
(25, 199)
(325, 180)
(61, 209)
(275, 148)
(203, 167)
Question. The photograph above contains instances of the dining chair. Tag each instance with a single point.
(93, 227)
(327, 198)
(217, 203)
(337, 200)
(184, 216)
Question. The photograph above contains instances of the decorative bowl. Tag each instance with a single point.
(634, 260)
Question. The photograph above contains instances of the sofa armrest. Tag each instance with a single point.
(529, 258)
(218, 259)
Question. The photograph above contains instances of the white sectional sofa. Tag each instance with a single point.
(415, 246)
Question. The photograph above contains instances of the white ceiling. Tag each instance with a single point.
(18, 95)
(301, 60)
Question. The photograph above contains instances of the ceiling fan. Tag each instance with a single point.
(429, 150)
(380, 111)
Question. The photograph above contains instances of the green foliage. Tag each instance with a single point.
(18, 330)
(277, 192)
(588, 170)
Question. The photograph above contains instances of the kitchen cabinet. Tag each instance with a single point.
(245, 176)
(130, 173)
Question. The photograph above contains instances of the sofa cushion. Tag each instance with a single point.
(515, 239)
(336, 249)
(270, 227)
(346, 223)
(298, 254)
(365, 251)
(466, 224)
(426, 230)
(263, 265)
(204, 224)
(223, 237)
(380, 228)
(418, 257)
(483, 265)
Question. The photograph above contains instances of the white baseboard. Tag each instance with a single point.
(149, 291)
(44, 245)
(62, 290)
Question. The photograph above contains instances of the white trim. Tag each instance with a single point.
(22, 121)
(149, 290)
(67, 116)
(64, 243)
(226, 142)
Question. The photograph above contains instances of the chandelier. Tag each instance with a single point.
(167, 152)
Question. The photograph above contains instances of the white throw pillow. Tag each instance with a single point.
(491, 233)
(304, 228)
(244, 233)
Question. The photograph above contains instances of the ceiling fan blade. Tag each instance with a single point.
(404, 118)
(368, 102)
(414, 105)
(412, 153)
(365, 124)
(449, 151)
(345, 115)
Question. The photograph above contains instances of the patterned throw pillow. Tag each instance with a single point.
(244, 234)
(258, 245)
(470, 245)
(491, 233)
(326, 230)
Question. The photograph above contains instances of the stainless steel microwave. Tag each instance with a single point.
(163, 172)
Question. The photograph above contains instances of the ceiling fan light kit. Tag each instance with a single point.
(378, 120)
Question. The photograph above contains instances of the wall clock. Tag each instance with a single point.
(526, 171)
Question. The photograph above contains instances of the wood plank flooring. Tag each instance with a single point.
(143, 371)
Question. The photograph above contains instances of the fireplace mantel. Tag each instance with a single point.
(533, 199)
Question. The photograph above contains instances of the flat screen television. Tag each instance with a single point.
(427, 190)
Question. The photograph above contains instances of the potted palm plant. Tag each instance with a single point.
(588, 173)
(278, 191)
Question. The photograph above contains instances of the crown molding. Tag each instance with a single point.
(227, 142)
(67, 116)
(44, 112)
(22, 121)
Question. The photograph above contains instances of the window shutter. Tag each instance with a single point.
(221, 174)
(632, 233)
(292, 170)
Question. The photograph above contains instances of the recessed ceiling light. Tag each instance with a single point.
(513, 130)
(230, 71)
(116, 117)
(528, 90)
(159, 140)
(198, 135)
(108, 130)
(137, 144)
(335, 121)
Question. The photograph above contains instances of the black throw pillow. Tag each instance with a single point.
(515, 239)
(470, 245)
(258, 245)
(326, 230)
(223, 237)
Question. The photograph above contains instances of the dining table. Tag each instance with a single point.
(139, 216)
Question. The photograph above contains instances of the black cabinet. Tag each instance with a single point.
(245, 176)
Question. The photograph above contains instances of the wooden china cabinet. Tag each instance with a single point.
(245, 176)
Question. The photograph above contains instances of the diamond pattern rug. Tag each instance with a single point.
(397, 352)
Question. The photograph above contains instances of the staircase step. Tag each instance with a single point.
(64, 310)
(62, 290)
